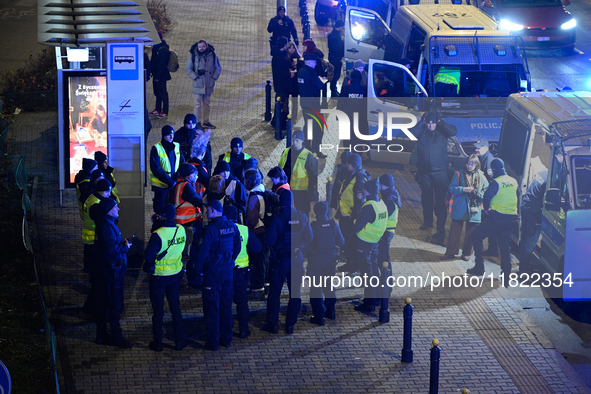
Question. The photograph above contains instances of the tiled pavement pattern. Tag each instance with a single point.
(488, 346)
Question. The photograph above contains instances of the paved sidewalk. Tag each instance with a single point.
(488, 345)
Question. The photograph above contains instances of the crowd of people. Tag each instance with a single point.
(235, 240)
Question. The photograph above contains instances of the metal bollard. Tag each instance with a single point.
(435, 358)
(278, 118)
(329, 196)
(407, 352)
(303, 10)
(268, 102)
(288, 142)
(384, 316)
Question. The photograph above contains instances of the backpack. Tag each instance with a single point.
(173, 62)
(449, 198)
(272, 205)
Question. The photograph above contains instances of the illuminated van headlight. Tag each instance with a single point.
(569, 25)
(506, 24)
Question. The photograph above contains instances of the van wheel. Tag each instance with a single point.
(320, 18)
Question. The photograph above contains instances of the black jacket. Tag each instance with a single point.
(159, 63)
(326, 237)
(219, 249)
(432, 146)
(287, 29)
(485, 161)
(336, 46)
(184, 137)
(309, 85)
(110, 245)
(289, 231)
(280, 68)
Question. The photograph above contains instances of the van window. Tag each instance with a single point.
(559, 175)
(366, 28)
(391, 81)
(413, 50)
(582, 181)
(513, 144)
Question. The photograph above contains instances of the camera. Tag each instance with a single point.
(201, 72)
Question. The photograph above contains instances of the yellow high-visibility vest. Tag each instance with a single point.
(171, 263)
(372, 232)
(505, 201)
(165, 164)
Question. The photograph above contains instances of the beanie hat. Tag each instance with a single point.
(371, 186)
(355, 160)
(236, 142)
(320, 209)
(100, 157)
(286, 198)
(96, 174)
(190, 118)
(481, 143)
(358, 63)
(231, 213)
(103, 185)
(221, 167)
(298, 134)
(344, 156)
(497, 165)
(339, 23)
(88, 164)
(186, 169)
(168, 212)
(216, 205)
(167, 130)
(387, 180)
(280, 8)
(431, 117)
(107, 204)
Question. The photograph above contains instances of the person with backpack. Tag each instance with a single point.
(160, 74)
(279, 180)
(322, 262)
(256, 210)
(467, 189)
(204, 68)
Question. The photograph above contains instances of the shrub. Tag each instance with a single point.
(157, 10)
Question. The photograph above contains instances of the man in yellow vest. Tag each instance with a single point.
(349, 201)
(165, 159)
(447, 82)
(391, 198)
(236, 158)
(369, 227)
(301, 168)
(163, 263)
(83, 181)
(249, 245)
(500, 204)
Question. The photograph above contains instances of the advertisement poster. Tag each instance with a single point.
(87, 119)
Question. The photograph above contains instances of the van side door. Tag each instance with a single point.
(365, 34)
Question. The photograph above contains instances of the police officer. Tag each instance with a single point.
(290, 235)
(109, 268)
(165, 159)
(336, 52)
(447, 82)
(500, 203)
(369, 227)
(486, 158)
(186, 134)
(217, 256)
(349, 201)
(82, 181)
(531, 220)
(249, 245)
(391, 198)
(188, 204)
(164, 264)
(432, 164)
(322, 260)
(310, 85)
(301, 168)
(103, 165)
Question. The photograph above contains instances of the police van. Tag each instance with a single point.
(444, 42)
(552, 131)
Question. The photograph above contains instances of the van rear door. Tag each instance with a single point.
(391, 87)
(365, 32)
(577, 249)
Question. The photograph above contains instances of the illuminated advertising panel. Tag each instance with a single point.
(86, 118)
